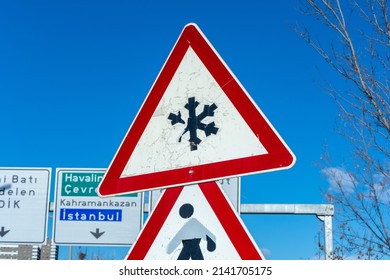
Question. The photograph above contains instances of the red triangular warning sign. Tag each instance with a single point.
(194, 222)
(197, 124)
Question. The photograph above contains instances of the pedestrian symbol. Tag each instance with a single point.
(190, 235)
(195, 222)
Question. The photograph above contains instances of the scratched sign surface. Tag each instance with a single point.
(166, 144)
(196, 124)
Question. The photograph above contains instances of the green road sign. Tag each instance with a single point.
(82, 217)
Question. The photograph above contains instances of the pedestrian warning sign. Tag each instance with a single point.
(195, 222)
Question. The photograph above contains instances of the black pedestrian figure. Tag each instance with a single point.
(190, 235)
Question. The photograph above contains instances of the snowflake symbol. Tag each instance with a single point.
(194, 122)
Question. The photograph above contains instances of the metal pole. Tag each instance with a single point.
(324, 212)
(302, 209)
(328, 229)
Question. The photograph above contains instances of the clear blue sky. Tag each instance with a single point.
(73, 75)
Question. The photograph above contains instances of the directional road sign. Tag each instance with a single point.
(24, 205)
(83, 217)
(197, 124)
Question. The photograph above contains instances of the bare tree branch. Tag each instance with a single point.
(359, 52)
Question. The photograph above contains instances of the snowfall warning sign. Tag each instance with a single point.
(197, 124)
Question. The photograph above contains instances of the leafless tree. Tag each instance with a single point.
(356, 45)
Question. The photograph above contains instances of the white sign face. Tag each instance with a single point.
(190, 127)
(164, 144)
(83, 217)
(230, 186)
(24, 204)
(194, 222)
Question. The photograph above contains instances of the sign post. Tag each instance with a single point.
(82, 217)
(24, 205)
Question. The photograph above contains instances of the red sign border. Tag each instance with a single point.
(278, 157)
(228, 218)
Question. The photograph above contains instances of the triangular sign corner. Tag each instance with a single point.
(197, 124)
